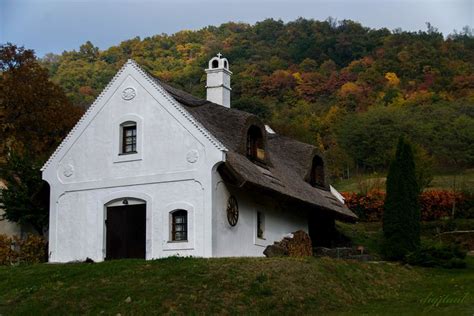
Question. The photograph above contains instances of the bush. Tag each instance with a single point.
(401, 216)
(368, 207)
(435, 204)
(13, 250)
(438, 255)
(7, 255)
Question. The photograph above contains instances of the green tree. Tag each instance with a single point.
(26, 199)
(34, 112)
(401, 218)
(34, 116)
(291, 73)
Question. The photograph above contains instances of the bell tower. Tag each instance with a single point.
(218, 81)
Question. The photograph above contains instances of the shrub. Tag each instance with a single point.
(435, 204)
(31, 249)
(401, 217)
(438, 255)
(368, 207)
(7, 255)
(466, 206)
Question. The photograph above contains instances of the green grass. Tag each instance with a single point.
(361, 183)
(436, 292)
(187, 285)
(231, 286)
(244, 285)
(369, 234)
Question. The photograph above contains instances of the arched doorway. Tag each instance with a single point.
(125, 229)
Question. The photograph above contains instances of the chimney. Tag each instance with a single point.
(218, 81)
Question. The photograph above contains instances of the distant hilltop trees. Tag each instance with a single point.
(347, 88)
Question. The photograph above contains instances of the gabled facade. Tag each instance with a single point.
(150, 171)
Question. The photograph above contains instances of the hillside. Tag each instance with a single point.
(229, 286)
(347, 88)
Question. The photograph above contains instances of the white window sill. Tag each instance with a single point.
(129, 153)
(128, 157)
(178, 245)
(262, 242)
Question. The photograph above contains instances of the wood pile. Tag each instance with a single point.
(296, 245)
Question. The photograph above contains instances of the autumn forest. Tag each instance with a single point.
(346, 88)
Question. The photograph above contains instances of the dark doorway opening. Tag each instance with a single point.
(126, 232)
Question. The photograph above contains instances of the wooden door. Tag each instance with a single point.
(126, 232)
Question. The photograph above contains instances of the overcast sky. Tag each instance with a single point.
(58, 25)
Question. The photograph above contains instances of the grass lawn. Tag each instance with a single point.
(233, 286)
(464, 181)
(244, 285)
(435, 292)
(369, 234)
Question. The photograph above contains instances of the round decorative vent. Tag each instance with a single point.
(129, 93)
(232, 211)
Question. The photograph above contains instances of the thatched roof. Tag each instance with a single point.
(288, 162)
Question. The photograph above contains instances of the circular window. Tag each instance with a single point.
(232, 211)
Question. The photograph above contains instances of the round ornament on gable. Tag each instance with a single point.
(192, 156)
(129, 93)
(68, 170)
(232, 211)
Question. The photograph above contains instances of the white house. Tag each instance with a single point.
(150, 171)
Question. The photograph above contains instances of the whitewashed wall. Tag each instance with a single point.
(171, 170)
(175, 168)
(242, 240)
(80, 231)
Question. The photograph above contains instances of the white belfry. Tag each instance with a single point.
(218, 81)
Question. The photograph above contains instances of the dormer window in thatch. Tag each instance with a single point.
(317, 172)
(255, 144)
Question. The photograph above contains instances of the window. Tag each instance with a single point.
(225, 64)
(260, 225)
(215, 63)
(129, 138)
(317, 172)
(255, 146)
(179, 225)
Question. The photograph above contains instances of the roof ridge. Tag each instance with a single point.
(287, 138)
(216, 142)
(205, 102)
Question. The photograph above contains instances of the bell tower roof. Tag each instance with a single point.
(218, 62)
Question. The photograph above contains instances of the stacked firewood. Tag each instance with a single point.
(297, 244)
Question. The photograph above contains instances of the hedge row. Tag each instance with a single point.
(15, 250)
(435, 204)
